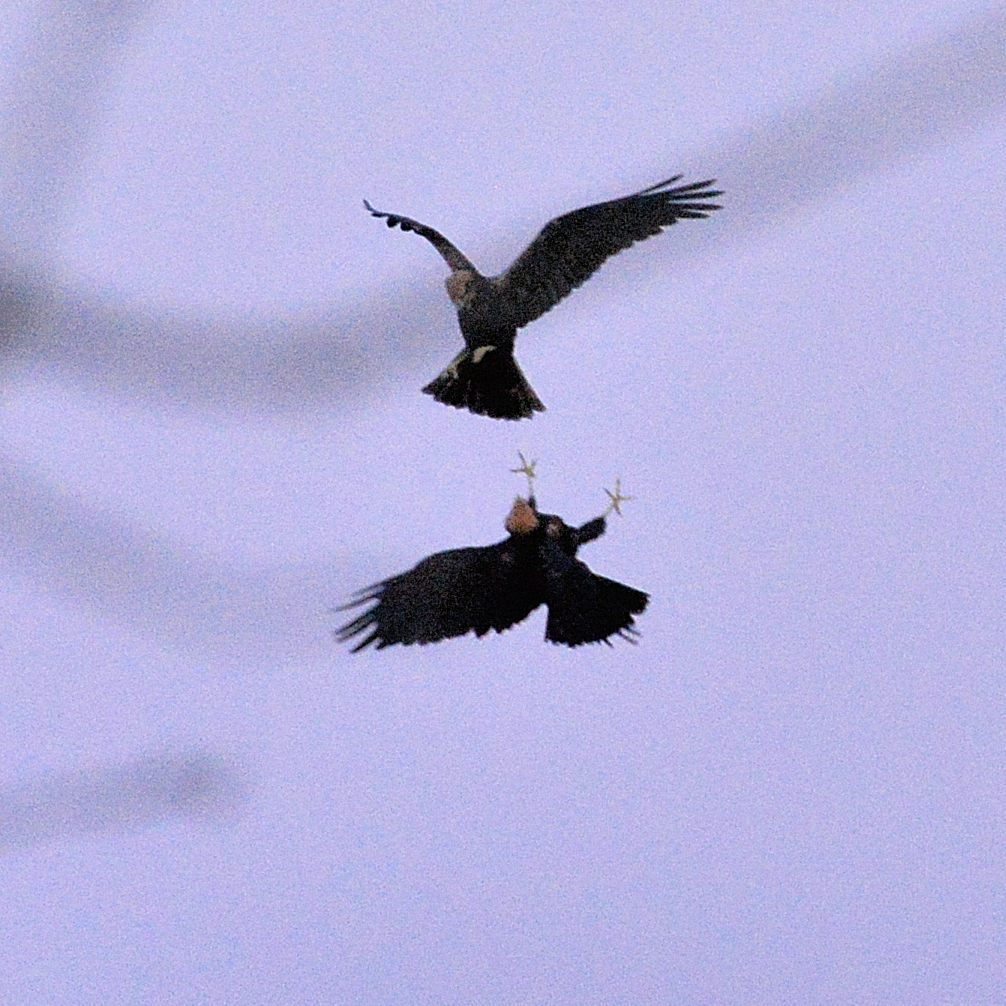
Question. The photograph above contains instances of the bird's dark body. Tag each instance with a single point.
(485, 378)
(485, 319)
(478, 330)
(493, 587)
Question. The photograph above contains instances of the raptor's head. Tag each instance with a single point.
(461, 287)
(523, 518)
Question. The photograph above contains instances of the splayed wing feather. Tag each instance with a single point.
(447, 594)
(569, 249)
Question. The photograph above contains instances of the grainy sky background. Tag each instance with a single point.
(211, 431)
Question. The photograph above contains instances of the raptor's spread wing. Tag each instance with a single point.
(448, 251)
(569, 249)
(582, 606)
(448, 594)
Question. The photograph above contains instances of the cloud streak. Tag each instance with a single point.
(868, 123)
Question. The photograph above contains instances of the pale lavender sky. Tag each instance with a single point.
(211, 432)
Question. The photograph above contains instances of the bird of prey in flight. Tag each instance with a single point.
(484, 377)
(487, 587)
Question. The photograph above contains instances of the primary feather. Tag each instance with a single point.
(570, 249)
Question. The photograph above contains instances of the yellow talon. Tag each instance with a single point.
(526, 469)
(617, 499)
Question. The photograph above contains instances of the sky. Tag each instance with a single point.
(211, 433)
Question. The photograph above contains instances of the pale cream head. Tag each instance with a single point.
(522, 519)
(461, 287)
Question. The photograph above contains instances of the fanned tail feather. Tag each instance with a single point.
(592, 610)
(584, 607)
(488, 382)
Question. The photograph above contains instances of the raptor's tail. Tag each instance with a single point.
(584, 607)
(488, 382)
(592, 609)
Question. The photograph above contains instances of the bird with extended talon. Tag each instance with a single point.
(479, 588)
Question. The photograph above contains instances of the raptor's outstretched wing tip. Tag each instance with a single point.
(661, 185)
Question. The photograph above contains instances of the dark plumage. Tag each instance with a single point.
(496, 586)
(484, 377)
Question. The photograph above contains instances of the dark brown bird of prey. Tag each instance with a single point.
(484, 377)
(496, 586)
